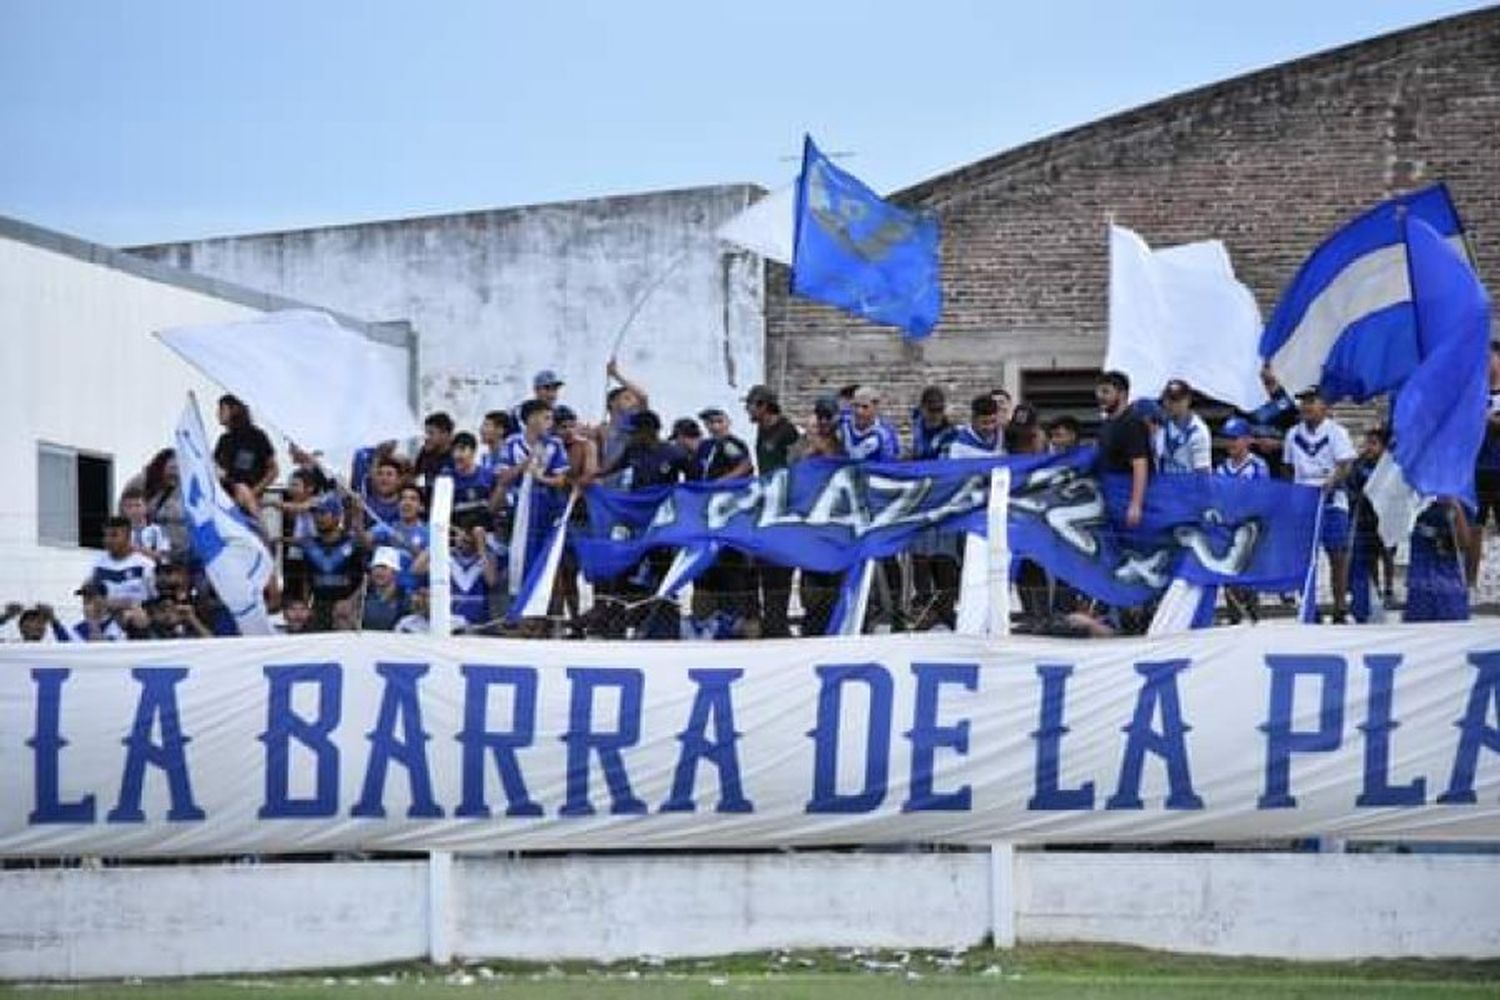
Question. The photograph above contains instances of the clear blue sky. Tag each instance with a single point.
(130, 121)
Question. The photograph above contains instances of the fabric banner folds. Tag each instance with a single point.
(391, 742)
(829, 516)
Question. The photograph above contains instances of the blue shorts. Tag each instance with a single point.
(1335, 535)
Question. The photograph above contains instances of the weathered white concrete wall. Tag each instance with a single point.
(82, 923)
(499, 295)
(193, 920)
(1299, 906)
(80, 368)
(609, 908)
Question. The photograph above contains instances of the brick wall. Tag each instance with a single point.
(1268, 162)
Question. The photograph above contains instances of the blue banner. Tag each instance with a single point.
(828, 515)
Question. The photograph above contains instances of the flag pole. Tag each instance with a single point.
(1310, 581)
(640, 302)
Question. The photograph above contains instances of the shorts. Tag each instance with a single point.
(1335, 534)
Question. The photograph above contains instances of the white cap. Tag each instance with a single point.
(386, 556)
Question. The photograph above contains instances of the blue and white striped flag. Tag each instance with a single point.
(1346, 323)
(233, 556)
(534, 597)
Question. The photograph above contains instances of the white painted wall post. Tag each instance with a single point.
(1003, 894)
(440, 907)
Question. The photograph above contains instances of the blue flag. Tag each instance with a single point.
(1347, 322)
(854, 251)
(1439, 416)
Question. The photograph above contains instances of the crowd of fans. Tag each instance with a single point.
(354, 554)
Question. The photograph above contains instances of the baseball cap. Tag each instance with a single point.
(1147, 409)
(865, 394)
(544, 378)
(1236, 427)
(826, 406)
(387, 557)
(1176, 389)
(686, 427)
(1311, 392)
(710, 412)
(760, 394)
(329, 504)
(563, 415)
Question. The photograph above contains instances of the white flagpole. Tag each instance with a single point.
(439, 571)
(998, 528)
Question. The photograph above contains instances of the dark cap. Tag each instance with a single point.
(1176, 389)
(826, 406)
(1147, 409)
(686, 427)
(91, 589)
(1311, 392)
(643, 420)
(760, 394)
(544, 378)
(710, 412)
(563, 414)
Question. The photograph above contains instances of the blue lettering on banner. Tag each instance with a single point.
(1475, 730)
(401, 705)
(826, 797)
(1048, 735)
(1160, 689)
(157, 707)
(47, 742)
(927, 737)
(283, 725)
(1377, 727)
(712, 703)
(1281, 739)
(476, 737)
(582, 740)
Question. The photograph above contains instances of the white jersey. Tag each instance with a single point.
(132, 578)
(969, 443)
(1182, 449)
(1315, 454)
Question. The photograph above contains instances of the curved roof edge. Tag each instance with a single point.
(1371, 49)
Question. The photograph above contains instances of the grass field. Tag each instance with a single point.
(1027, 973)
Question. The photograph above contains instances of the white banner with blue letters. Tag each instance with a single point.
(395, 742)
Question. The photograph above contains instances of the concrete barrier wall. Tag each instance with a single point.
(195, 920)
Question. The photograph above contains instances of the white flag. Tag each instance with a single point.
(766, 227)
(233, 556)
(1179, 312)
(299, 371)
(1396, 504)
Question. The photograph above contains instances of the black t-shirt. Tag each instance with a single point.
(656, 464)
(244, 454)
(1123, 438)
(773, 445)
(717, 456)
